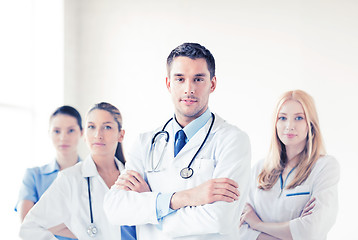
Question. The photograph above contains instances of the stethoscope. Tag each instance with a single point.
(186, 172)
(92, 229)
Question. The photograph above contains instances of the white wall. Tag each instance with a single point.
(115, 50)
(31, 87)
(262, 48)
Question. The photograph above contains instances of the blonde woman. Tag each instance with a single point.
(293, 193)
(75, 199)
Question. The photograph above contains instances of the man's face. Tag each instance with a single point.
(190, 85)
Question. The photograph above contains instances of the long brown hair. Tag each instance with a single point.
(276, 159)
(118, 118)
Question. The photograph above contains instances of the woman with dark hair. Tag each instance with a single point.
(65, 130)
(75, 199)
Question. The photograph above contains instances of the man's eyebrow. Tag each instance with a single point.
(200, 75)
(109, 122)
(178, 74)
(196, 75)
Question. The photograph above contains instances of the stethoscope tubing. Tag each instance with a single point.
(92, 229)
(167, 140)
(90, 199)
(206, 137)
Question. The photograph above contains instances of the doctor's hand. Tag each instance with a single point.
(132, 181)
(250, 217)
(264, 236)
(213, 190)
(62, 230)
(307, 210)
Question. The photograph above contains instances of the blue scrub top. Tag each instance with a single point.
(38, 179)
(35, 183)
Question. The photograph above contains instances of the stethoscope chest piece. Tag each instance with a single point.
(186, 172)
(92, 230)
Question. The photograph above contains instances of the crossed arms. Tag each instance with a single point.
(213, 206)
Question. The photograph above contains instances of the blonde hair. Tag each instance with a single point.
(276, 159)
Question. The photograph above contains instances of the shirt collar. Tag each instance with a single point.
(52, 167)
(89, 168)
(194, 126)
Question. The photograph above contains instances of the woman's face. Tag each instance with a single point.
(102, 133)
(65, 133)
(291, 125)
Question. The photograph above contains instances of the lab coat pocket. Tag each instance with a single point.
(205, 169)
(296, 199)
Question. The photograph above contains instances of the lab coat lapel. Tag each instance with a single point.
(195, 141)
(169, 154)
(89, 167)
(191, 147)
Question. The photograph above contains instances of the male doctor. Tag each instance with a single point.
(184, 182)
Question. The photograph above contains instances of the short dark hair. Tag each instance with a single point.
(70, 111)
(193, 51)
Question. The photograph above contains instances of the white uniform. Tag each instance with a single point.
(66, 201)
(274, 206)
(226, 153)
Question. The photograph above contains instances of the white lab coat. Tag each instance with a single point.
(226, 153)
(66, 201)
(273, 206)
